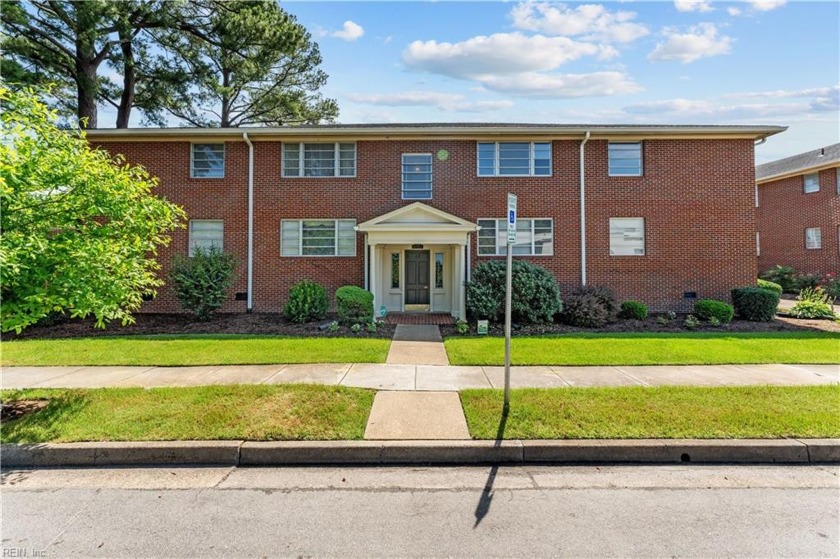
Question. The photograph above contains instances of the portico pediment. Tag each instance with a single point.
(417, 217)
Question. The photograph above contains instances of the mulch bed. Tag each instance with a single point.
(19, 408)
(179, 324)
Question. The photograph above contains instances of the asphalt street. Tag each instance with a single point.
(530, 511)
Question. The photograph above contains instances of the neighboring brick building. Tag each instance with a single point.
(408, 210)
(798, 211)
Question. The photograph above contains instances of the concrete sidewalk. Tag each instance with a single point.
(418, 377)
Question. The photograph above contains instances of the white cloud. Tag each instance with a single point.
(350, 31)
(445, 101)
(819, 99)
(704, 110)
(501, 53)
(591, 21)
(693, 6)
(733, 11)
(766, 5)
(701, 41)
(543, 85)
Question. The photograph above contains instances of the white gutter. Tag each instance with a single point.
(250, 300)
(583, 212)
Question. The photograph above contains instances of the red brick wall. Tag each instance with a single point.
(696, 198)
(783, 214)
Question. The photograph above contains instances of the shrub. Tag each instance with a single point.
(605, 296)
(782, 275)
(812, 303)
(705, 309)
(462, 327)
(633, 310)
(755, 304)
(356, 328)
(585, 310)
(831, 284)
(201, 283)
(802, 281)
(691, 322)
(535, 298)
(372, 326)
(714, 321)
(333, 327)
(307, 302)
(764, 284)
(354, 304)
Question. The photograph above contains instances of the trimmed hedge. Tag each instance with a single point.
(755, 304)
(354, 304)
(584, 310)
(765, 284)
(706, 309)
(633, 310)
(605, 296)
(308, 301)
(535, 298)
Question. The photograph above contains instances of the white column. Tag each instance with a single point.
(462, 300)
(373, 278)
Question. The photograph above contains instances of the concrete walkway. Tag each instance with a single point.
(415, 344)
(417, 377)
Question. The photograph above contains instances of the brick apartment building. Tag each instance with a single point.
(798, 211)
(667, 212)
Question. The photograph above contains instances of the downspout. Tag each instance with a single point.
(367, 271)
(583, 212)
(250, 289)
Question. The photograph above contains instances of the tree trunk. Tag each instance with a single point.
(225, 120)
(129, 80)
(86, 91)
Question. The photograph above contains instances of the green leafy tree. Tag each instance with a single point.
(78, 229)
(250, 63)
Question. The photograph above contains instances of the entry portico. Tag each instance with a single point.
(417, 259)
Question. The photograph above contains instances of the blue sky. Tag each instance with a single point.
(683, 62)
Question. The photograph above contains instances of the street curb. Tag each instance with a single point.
(301, 453)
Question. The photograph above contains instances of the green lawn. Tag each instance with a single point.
(290, 412)
(662, 412)
(691, 348)
(193, 350)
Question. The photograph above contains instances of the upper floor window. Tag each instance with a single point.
(319, 160)
(625, 159)
(205, 234)
(511, 159)
(318, 237)
(627, 236)
(534, 237)
(813, 237)
(812, 182)
(208, 161)
(417, 176)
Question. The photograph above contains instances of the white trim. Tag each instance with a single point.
(192, 158)
(302, 159)
(249, 304)
(531, 158)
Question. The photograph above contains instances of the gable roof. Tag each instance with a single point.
(802, 163)
(335, 132)
(417, 216)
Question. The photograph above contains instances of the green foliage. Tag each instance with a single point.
(462, 327)
(333, 326)
(201, 283)
(714, 321)
(535, 297)
(691, 322)
(803, 281)
(831, 284)
(605, 296)
(662, 320)
(308, 301)
(585, 310)
(782, 275)
(79, 229)
(372, 326)
(633, 310)
(764, 284)
(354, 304)
(356, 328)
(705, 309)
(812, 303)
(755, 304)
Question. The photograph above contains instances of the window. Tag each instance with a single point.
(513, 159)
(417, 176)
(206, 233)
(438, 270)
(318, 237)
(395, 270)
(627, 236)
(534, 237)
(208, 161)
(319, 160)
(812, 182)
(813, 237)
(625, 159)
(757, 244)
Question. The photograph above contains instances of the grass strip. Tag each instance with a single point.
(667, 412)
(260, 413)
(193, 350)
(691, 348)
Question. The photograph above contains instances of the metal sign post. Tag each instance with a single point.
(511, 239)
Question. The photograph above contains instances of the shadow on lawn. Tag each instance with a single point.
(44, 424)
(487, 493)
